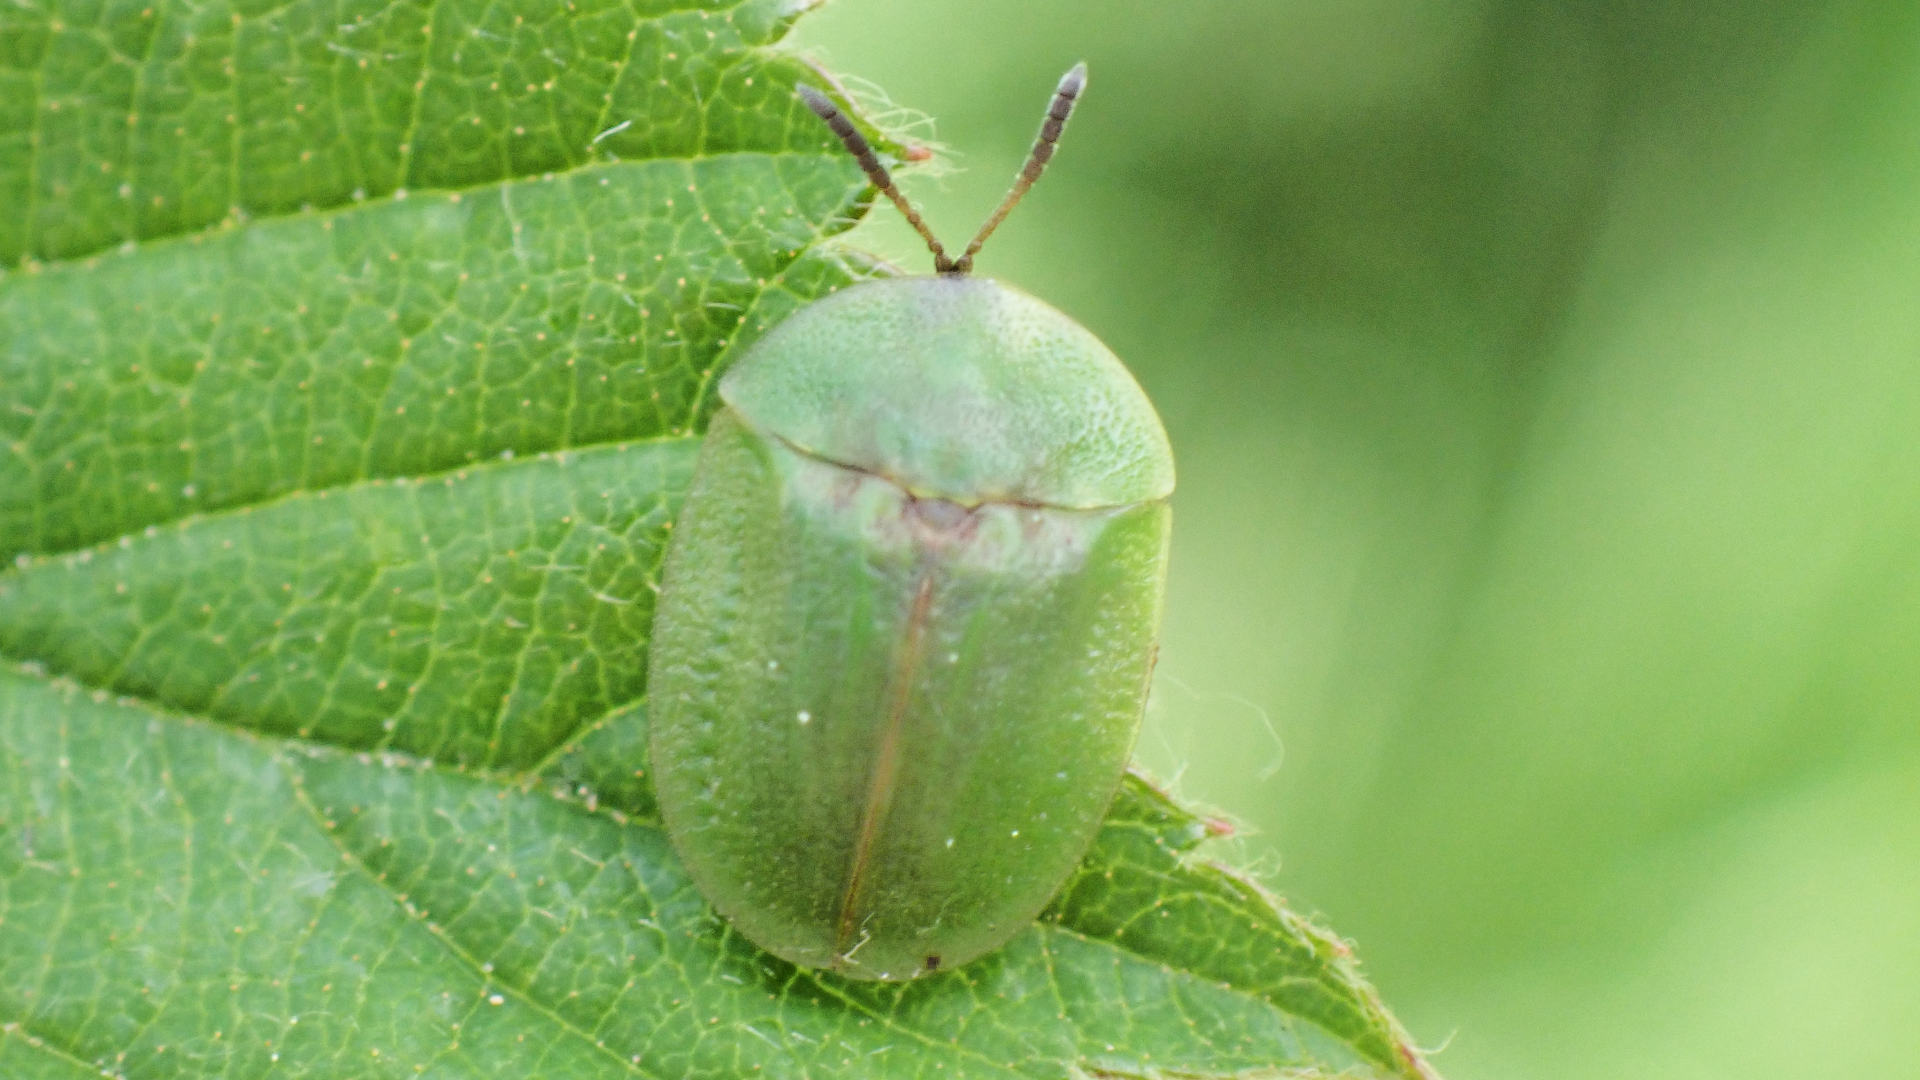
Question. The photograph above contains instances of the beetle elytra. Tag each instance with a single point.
(909, 612)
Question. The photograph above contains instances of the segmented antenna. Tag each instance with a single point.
(856, 145)
(1062, 107)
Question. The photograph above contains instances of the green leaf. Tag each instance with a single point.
(352, 363)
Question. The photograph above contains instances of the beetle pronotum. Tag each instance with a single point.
(909, 612)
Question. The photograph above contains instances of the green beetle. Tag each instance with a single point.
(909, 613)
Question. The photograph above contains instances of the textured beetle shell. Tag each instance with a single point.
(889, 713)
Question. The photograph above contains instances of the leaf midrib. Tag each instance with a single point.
(526, 782)
(280, 747)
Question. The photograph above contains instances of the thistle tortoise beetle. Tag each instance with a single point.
(909, 612)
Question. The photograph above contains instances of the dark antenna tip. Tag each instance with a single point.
(1065, 96)
(1074, 81)
(821, 104)
(862, 152)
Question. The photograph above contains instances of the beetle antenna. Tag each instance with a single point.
(857, 145)
(1057, 112)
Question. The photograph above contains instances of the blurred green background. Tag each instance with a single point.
(1545, 380)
